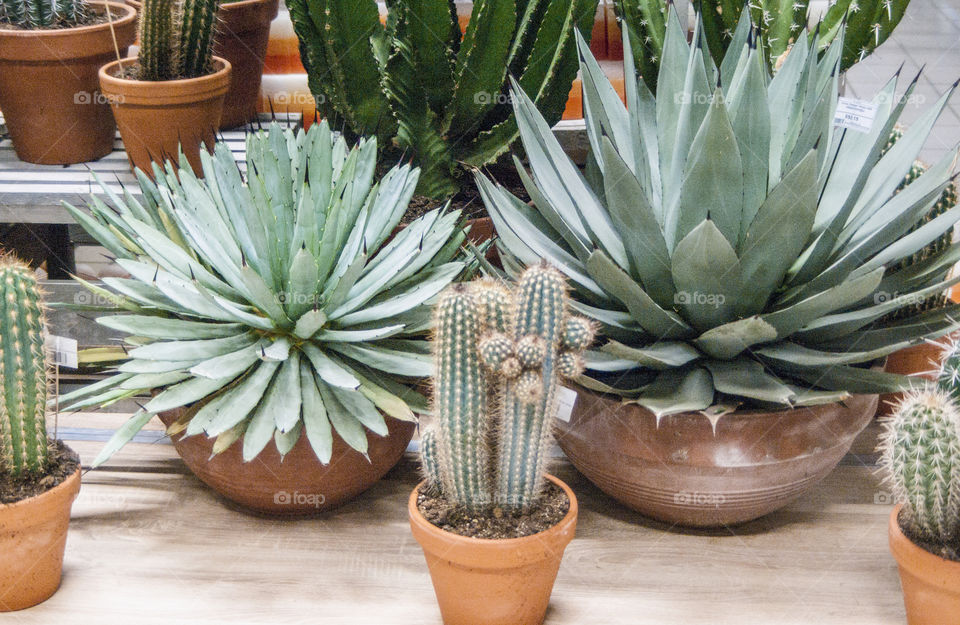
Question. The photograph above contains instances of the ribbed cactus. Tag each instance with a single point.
(31, 14)
(23, 372)
(921, 453)
(176, 38)
(948, 378)
(499, 355)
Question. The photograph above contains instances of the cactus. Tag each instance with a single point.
(948, 377)
(499, 356)
(921, 454)
(176, 38)
(23, 372)
(34, 14)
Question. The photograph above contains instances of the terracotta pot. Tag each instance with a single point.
(298, 484)
(921, 360)
(49, 91)
(931, 584)
(33, 534)
(684, 473)
(243, 30)
(155, 117)
(493, 582)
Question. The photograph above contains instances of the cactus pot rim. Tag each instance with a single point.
(127, 13)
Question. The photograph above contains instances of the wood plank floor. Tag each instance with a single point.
(149, 544)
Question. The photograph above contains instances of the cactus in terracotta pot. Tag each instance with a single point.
(176, 38)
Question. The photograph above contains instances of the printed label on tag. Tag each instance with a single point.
(855, 114)
(64, 350)
(566, 399)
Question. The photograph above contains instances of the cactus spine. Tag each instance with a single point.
(32, 14)
(921, 453)
(176, 38)
(499, 354)
(23, 372)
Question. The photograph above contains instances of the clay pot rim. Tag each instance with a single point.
(243, 4)
(503, 543)
(930, 567)
(20, 508)
(222, 66)
(53, 33)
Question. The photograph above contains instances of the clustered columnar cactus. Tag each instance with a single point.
(424, 89)
(779, 23)
(32, 14)
(499, 354)
(176, 38)
(921, 453)
(23, 372)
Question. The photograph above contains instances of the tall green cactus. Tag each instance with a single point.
(921, 454)
(948, 378)
(23, 372)
(499, 355)
(176, 38)
(33, 14)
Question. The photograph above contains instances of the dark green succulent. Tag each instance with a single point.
(33, 14)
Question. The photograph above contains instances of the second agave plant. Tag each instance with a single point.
(276, 315)
(737, 250)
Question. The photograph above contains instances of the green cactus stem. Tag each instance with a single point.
(429, 456)
(23, 372)
(176, 38)
(36, 14)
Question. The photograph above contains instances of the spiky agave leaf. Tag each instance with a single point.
(281, 301)
(711, 280)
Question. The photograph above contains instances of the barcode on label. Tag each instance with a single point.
(855, 114)
(566, 400)
(63, 351)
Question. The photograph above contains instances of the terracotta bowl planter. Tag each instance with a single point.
(684, 473)
(33, 535)
(299, 484)
(931, 584)
(243, 30)
(493, 582)
(155, 117)
(49, 92)
(922, 360)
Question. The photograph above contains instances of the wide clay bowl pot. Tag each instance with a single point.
(683, 472)
(931, 584)
(49, 90)
(33, 535)
(156, 118)
(493, 582)
(297, 484)
(243, 31)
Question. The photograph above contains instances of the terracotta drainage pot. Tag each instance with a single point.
(243, 30)
(49, 92)
(493, 582)
(931, 584)
(33, 534)
(155, 117)
(299, 484)
(684, 473)
(922, 360)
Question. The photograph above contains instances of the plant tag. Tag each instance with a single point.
(64, 351)
(855, 114)
(566, 399)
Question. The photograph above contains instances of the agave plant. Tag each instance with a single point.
(779, 24)
(423, 88)
(731, 242)
(274, 304)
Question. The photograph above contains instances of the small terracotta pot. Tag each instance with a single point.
(49, 91)
(155, 117)
(493, 582)
(297, 484)
(33, 535)
(683, 472)
(931, 584)
(243, 30)
(921, 360)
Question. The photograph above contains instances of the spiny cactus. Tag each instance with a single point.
(176, 38)
(23, 372)
(499, 355)
(33, 14)
(948, 378)
(921, 454)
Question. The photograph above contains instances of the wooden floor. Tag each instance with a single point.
(150, 544)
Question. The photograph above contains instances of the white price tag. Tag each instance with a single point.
(855, 114)
(64, 351)
(566, 400)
